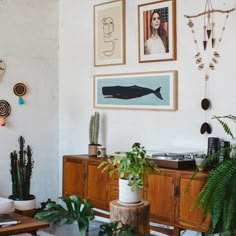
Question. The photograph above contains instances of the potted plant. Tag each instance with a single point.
(21, 171)
(130, 167)
(218, 195)
(93, 134)
(75, 210)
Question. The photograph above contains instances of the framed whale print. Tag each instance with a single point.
(148, 90)
(157, 31)
(109, 33)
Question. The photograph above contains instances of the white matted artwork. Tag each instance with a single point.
(109, 33)
(147, 90)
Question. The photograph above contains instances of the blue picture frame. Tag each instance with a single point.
(147, 90)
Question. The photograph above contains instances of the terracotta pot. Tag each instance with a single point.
(92, 149)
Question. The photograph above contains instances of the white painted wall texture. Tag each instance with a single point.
(156, 130)
(29, 47)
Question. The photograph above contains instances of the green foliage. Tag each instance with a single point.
(133, 164)
(76, 211)
(117, 228)
(21, 171)
(218, 196)
(94, 128)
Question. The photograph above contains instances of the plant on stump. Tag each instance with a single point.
(21, 171)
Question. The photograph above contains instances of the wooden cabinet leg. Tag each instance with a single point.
(176, 231)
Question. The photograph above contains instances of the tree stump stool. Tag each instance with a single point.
(136, 216)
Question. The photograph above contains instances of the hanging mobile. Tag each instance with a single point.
(5, 110)
(20, 90)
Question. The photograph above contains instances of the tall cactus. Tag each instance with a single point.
(94, 128)
(21, 171)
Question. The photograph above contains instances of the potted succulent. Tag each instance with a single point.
(93, 134)
(73, 210)
(218, 195)
(21, 171)
(130, 166)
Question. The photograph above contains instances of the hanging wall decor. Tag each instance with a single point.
(5, 110)
(207, 48)
(20, 90)
(2, 67)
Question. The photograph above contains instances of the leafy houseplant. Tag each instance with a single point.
(21, 171)
(218, 195)
(117, 228)
(76, 211)
(133, 165)
(93, 134)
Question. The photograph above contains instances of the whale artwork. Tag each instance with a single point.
(129, 92)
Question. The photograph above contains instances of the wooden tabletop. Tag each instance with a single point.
(26, 225)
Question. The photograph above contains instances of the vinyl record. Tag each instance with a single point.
(20, 89)
(5, 109)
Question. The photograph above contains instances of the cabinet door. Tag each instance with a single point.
(74, 177)
(159, 192)
(97, 186)
(191, 216)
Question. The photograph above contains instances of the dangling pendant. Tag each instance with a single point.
(211, 66)
(206, 77)
(200, 67)
(197, 55)
(204, 44)
(190, 23)
(208, 33)
(198, 60)
(213, 41)
(214, 60)
(216, 54)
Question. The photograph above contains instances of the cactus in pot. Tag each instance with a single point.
(93, 134)
(21, 164)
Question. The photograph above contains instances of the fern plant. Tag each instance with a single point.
(218, 196)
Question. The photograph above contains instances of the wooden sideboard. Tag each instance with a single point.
(166, 192)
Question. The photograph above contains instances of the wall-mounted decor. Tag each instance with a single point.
(151, 90)
(19, 90)
(109, 33)
(207, 48)
(157, 31)
(2, 66)
(5, 110)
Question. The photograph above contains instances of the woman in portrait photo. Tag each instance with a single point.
(158, 39)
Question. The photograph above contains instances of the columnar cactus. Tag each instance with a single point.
(94, 128)
(21, 171)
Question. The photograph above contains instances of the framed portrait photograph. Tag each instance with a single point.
(150, 90)
(109, 33)
(157, 31)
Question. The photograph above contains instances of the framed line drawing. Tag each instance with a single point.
(150, 90)
(109, 33)
(157, 31)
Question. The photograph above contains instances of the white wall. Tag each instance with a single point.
(29, 47)
(158, 130)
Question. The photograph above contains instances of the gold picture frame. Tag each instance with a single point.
(109, 33)
(157, 31)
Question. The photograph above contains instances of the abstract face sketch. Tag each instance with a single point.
(109, 40)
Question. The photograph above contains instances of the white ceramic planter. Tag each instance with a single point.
(6, 205)
(126, 196)
(24, 205)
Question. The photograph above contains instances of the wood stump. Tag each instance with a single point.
(135, 216)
